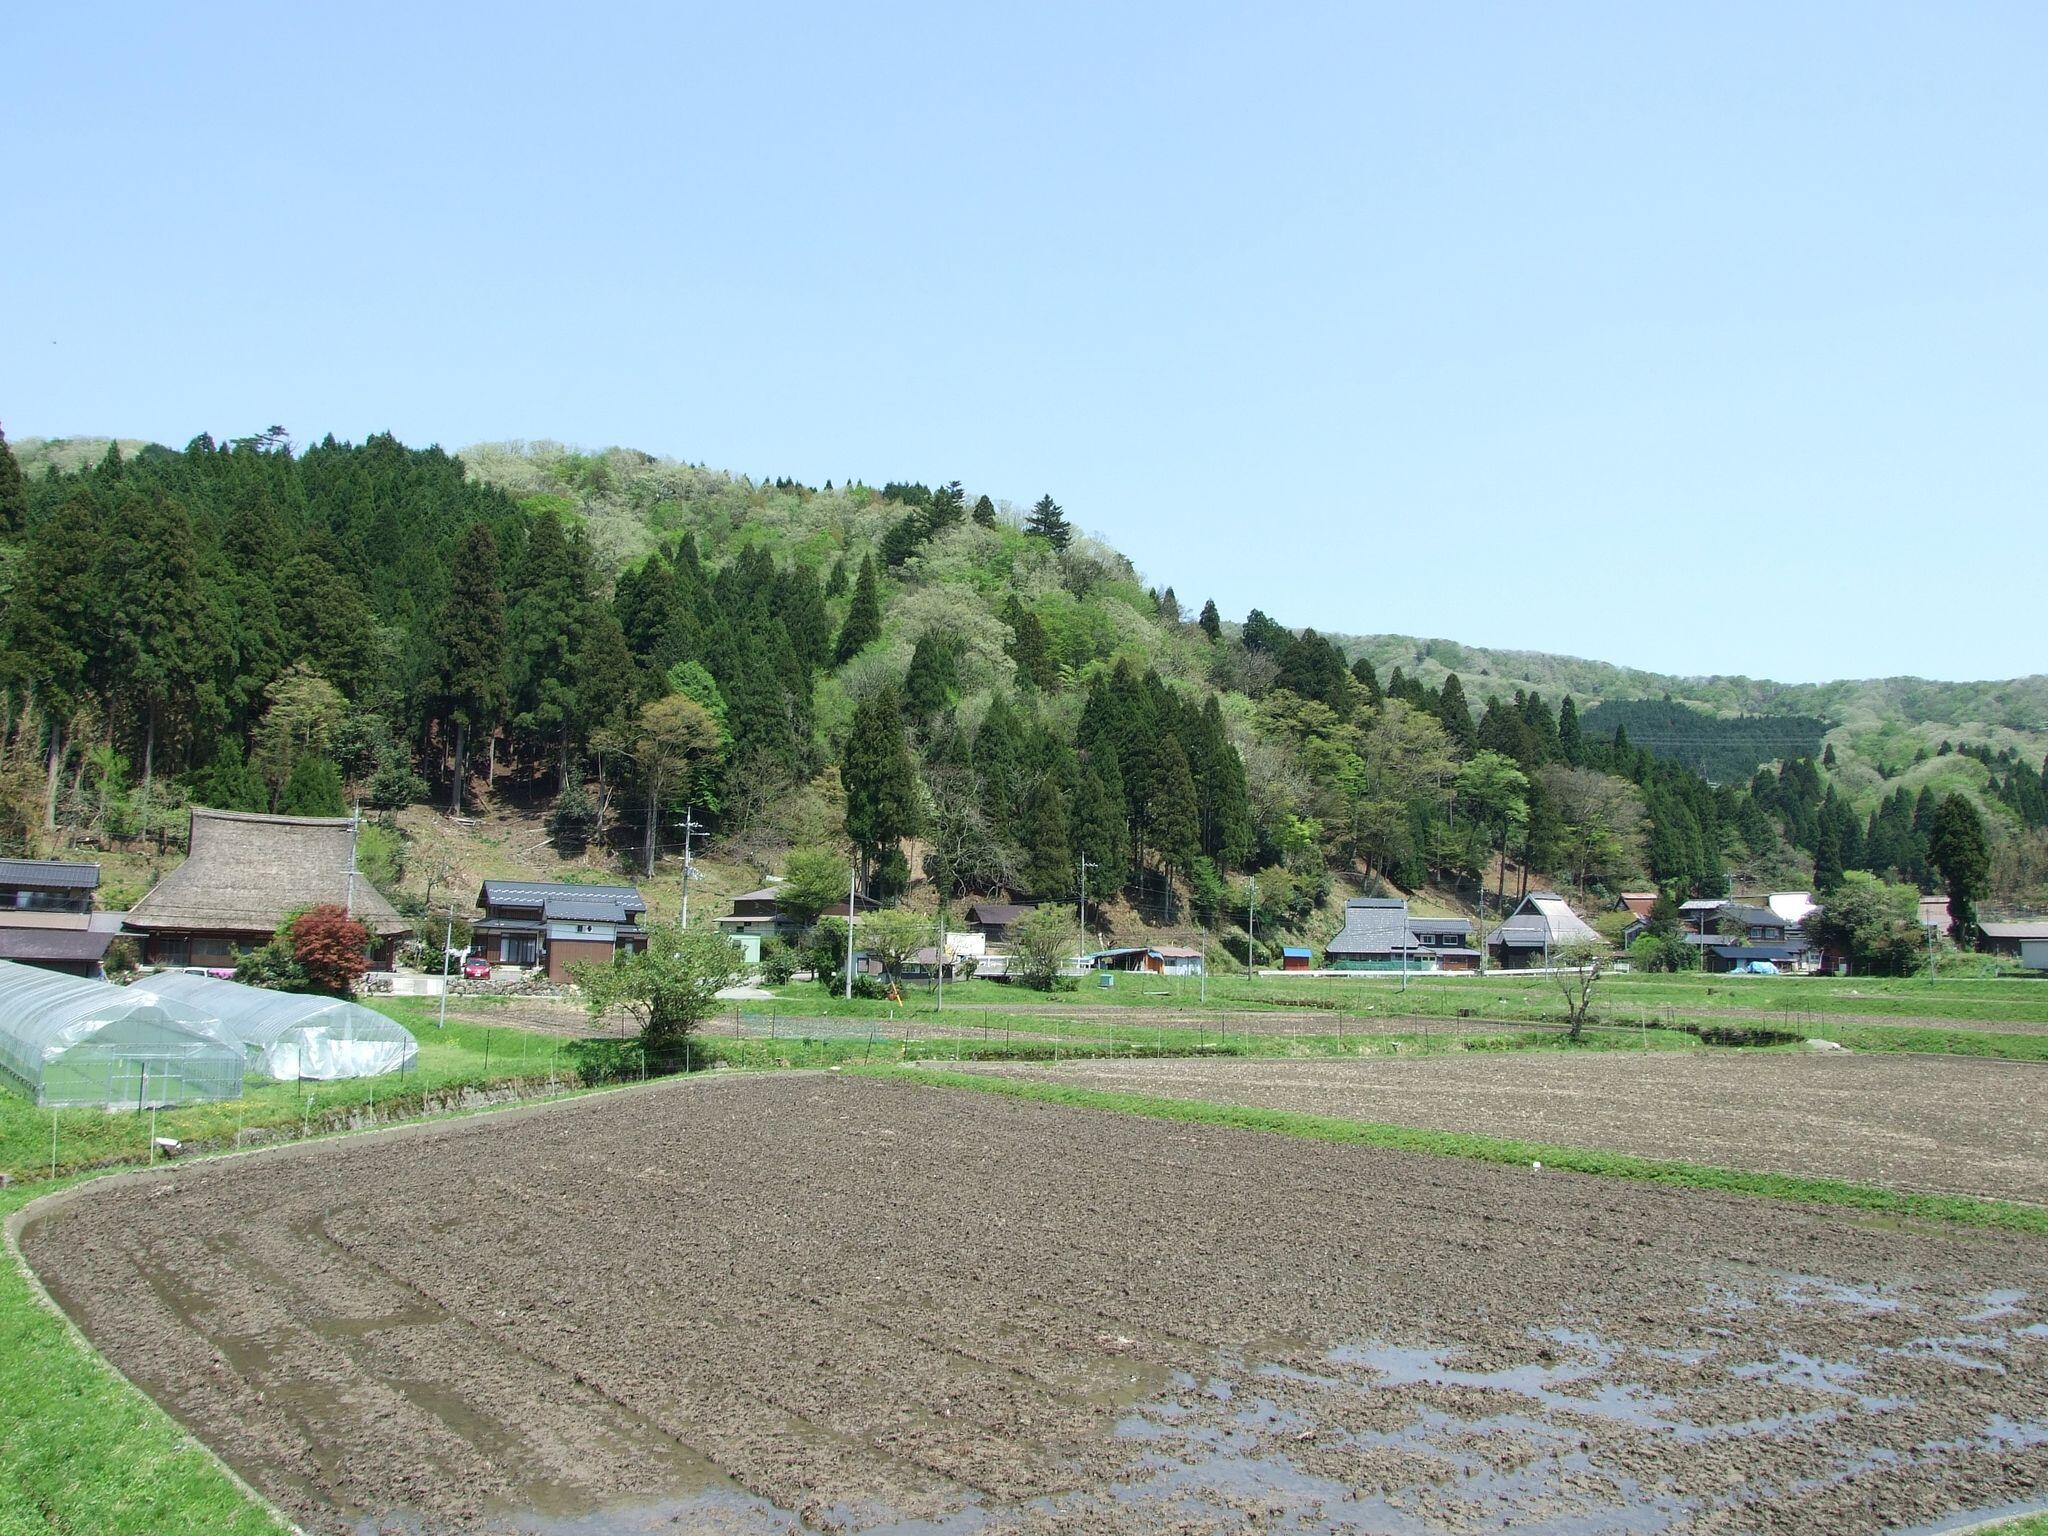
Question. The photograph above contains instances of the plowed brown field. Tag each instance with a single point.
(809, 1302)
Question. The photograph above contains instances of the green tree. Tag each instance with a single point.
(881, 790)
(572, 820)
(891, 936)
(228, 784)
(472, 650)
(1495, 792)
(1571, 741)
(1957, 848)
(1211, 622)
(1047, 520)
(1873, 925)
(313, 789)
(863, 624)
(550, 598)
(933, 676)
(1048, 870)
(675, 740)
(1044, 940)
(670, 988)
(985, 512)
(13, 491)
(812, 880)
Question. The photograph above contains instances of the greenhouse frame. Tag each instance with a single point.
(296, 1036)
(67, 1041)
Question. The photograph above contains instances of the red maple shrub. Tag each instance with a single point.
(331, 947)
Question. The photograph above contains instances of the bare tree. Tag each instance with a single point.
(1577, 966)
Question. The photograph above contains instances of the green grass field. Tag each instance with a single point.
(88, 1455)
(1506, 994)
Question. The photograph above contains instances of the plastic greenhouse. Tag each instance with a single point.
(293, 1035)
(65, 1041)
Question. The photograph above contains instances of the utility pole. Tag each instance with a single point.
(1251, 926)
(690, 826)
(447, 943)
(852, 880)
(355, 828)
(1081, 914)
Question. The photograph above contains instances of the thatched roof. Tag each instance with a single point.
(243, 873)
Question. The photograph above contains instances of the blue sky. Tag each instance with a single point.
(1706, 339)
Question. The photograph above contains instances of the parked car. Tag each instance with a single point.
(476, 970)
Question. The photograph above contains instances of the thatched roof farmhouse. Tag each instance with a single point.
(244, 874)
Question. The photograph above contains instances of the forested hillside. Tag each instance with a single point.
(964, 693)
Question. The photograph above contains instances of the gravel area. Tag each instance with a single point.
(1934, 1125)
(811, 1302)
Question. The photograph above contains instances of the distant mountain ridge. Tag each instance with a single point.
(2017, 704)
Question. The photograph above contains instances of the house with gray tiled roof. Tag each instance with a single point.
(1541, 923)
(551, 925)
(1380, 934)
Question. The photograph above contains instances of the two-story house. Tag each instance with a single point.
(46, 916)
(550, 926)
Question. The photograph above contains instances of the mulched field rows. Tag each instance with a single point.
(1932, 1125)
(807, 1302)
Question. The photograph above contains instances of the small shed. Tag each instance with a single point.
(1295, 958)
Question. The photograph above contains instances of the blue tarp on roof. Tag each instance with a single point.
(1292, 952)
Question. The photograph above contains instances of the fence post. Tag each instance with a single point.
(53, 1141)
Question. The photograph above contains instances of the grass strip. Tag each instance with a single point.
(1961, 1210)
(85, 1452)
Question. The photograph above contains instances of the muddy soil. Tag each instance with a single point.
(807, 1302)
(1936, 1125)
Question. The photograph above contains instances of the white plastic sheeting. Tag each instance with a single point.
(293, 1035)
(66, 1040)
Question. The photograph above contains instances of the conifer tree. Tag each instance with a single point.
(1571, 742)
(1028, 646)
(13, 491)
(801, 606)
(1048, 869)
(1097, 825)
(549, 602)
(313, 789)
(902, 540)
(1456, 715)
(948, 506)
(1047, 520)
(1957, 848)
(229, 784)
(1365, 677)
(835, 584)
(1827, 861)
(998, 760)
(934, 674)
(472, 636)
(863, 623)
(1172, 814)
(1211, 621)
(881, 790)
(985, 512)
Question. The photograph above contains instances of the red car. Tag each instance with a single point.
(476, 970)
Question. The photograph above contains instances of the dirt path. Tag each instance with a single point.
(809, 1302)
(1944, 1125)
